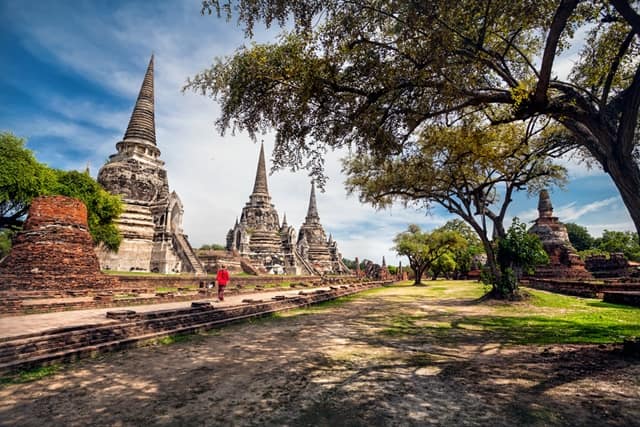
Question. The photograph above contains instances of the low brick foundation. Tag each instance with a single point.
(580, 288)
(626, 298)
(66, 344)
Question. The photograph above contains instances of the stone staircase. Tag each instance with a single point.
(189, 253)
(305, 263)
(129, 328)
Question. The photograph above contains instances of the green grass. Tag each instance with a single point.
(545, 318)
(29, 375)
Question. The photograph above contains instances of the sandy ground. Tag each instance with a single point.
(336, 366)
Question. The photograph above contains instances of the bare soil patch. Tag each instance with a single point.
(342, 364)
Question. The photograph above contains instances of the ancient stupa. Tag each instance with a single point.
(313, 245)
(54, 250)
(258, 234)
(151, 224)
(273, 247)
(564, 262)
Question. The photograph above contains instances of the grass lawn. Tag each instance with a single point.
(454, 311)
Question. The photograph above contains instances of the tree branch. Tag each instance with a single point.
(558, 24)
(614, 68)
(629, 116)
(624, 8)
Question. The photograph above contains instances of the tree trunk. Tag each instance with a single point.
(625, 173)
(418, 272)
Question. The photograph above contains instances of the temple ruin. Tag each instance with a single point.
(54, 250)
(273, 247)
(313, 245)
(151, 224)
(564, 262)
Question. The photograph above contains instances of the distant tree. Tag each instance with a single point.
(392, 269)
(579, 237)
(22, 178)
(518, 252)
(472, 171)
(620, 241)
(589, 252)
(443, 266)
(463, 257)
(424, 248)
(213, 247)
(351, 264)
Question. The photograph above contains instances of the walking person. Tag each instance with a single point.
(223, 279)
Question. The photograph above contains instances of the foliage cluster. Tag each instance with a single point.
(518, 252)
(625, 242)
(213, 247)
(427, 250)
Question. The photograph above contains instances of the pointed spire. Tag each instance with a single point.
(260, 185)
(384, 263)
(236, 221)
(312, 212)
(142, 124)
(545, 209)
(284, 220)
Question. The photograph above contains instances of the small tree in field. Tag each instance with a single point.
(424, 248)
(445, 265)
(518, 252)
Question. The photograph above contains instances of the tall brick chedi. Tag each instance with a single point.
(151, 224)
(54, 248)
(564, 262)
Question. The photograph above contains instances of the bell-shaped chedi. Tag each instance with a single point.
(564, 262)
(258, 235)
(136, 172)
(54, 249)
(151, 224)
(313, 245)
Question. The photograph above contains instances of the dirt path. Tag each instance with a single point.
(339, 365)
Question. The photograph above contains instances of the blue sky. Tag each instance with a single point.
(71, 72)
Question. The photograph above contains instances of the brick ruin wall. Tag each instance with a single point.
(54, 250)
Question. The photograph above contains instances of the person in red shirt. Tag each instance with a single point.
(223, 279)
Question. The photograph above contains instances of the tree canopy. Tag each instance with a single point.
(625, 242)
(470, 170)
(425, 248)
(579, 237)
(22, 178)
(463, 257)
(379, 75)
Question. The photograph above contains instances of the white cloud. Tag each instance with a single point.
(571, 212)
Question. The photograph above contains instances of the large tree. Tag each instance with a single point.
(470, 170)
(376, 74)
(425, 248)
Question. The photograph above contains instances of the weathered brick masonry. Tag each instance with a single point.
(54, 250)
